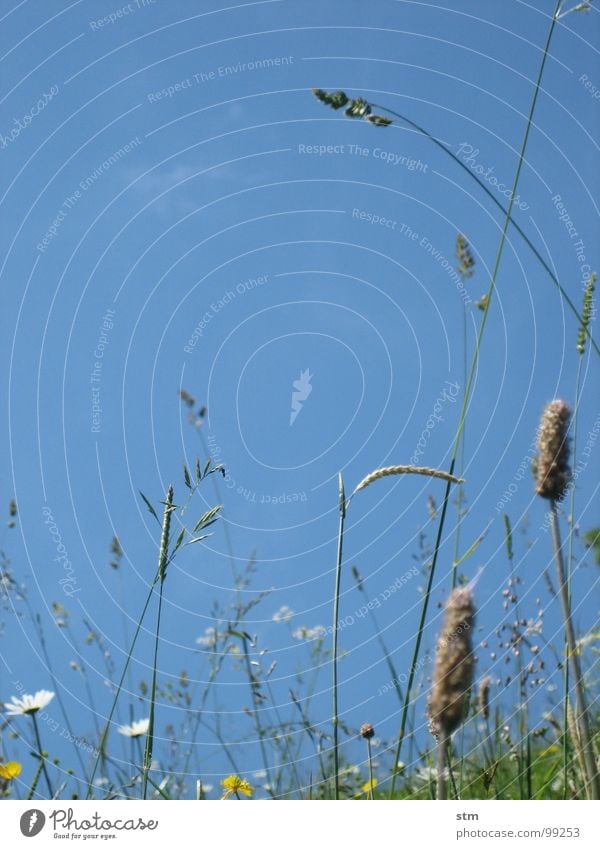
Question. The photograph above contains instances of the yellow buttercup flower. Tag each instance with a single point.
(233, 785)
(369, 785)
(10, 770)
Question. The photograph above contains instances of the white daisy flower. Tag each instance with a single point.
(137, 728)
(28, 704)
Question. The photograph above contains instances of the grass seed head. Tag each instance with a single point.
(552, 465)
(483, 696)
(454, 665)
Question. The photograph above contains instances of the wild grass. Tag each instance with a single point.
(481, 745)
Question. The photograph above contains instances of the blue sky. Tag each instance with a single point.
(209, 225)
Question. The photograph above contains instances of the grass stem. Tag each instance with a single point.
(336, 607)
(592, 779)
(468, 388)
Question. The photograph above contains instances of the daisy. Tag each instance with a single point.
(137, 728)
(28, 704)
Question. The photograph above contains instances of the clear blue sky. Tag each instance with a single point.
(154, 160)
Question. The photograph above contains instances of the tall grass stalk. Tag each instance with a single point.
(336, 608)
(586, 312)
(256, 700)
(592, 778)
(468, 388)
(442, 763)
(333, 100)
(161, 573)
(37, 622)
(102, 744)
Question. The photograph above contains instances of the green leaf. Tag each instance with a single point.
(241, 635)
(178, 542)
(592, 540)
(472, 548)
(198, 539)
(149, 506)
(208, 519)
(508, 536)
(186, 477)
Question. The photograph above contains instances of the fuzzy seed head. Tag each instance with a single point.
(552, 466)
(367, 731)
(587, 313)
(483, 696)
(454, 665)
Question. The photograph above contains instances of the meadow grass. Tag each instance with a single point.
(479, 747)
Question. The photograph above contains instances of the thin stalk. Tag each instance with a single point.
(459, 496)
(287, 745)
(380, 640)
(102, 744)
(523, 712)
(150, 735)
(253, 682)
(506, 211)
(467, 393)
(569, 573)
(161, 573)
(455, 793)
(37, 623)
(226, 533)
(42, 754)
(592, 777)
(370, 757)
(442, 758)
(36, 779)
(336, 607)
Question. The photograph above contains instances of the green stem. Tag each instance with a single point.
(568, 576)
(42, 754)
(161, 574)
(442, 758)
(102, 745)
(36, 778)
(150, 735)
(459, 496)
(467, 393)
(582, 716)
(498, 204)
(253, 682)
(336, 606)
(370, 756)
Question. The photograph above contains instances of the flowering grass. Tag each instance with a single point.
(482, 745)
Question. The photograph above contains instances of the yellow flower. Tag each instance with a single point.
(233, 785)
(369, 785)
(10, 770)
(551, 750)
